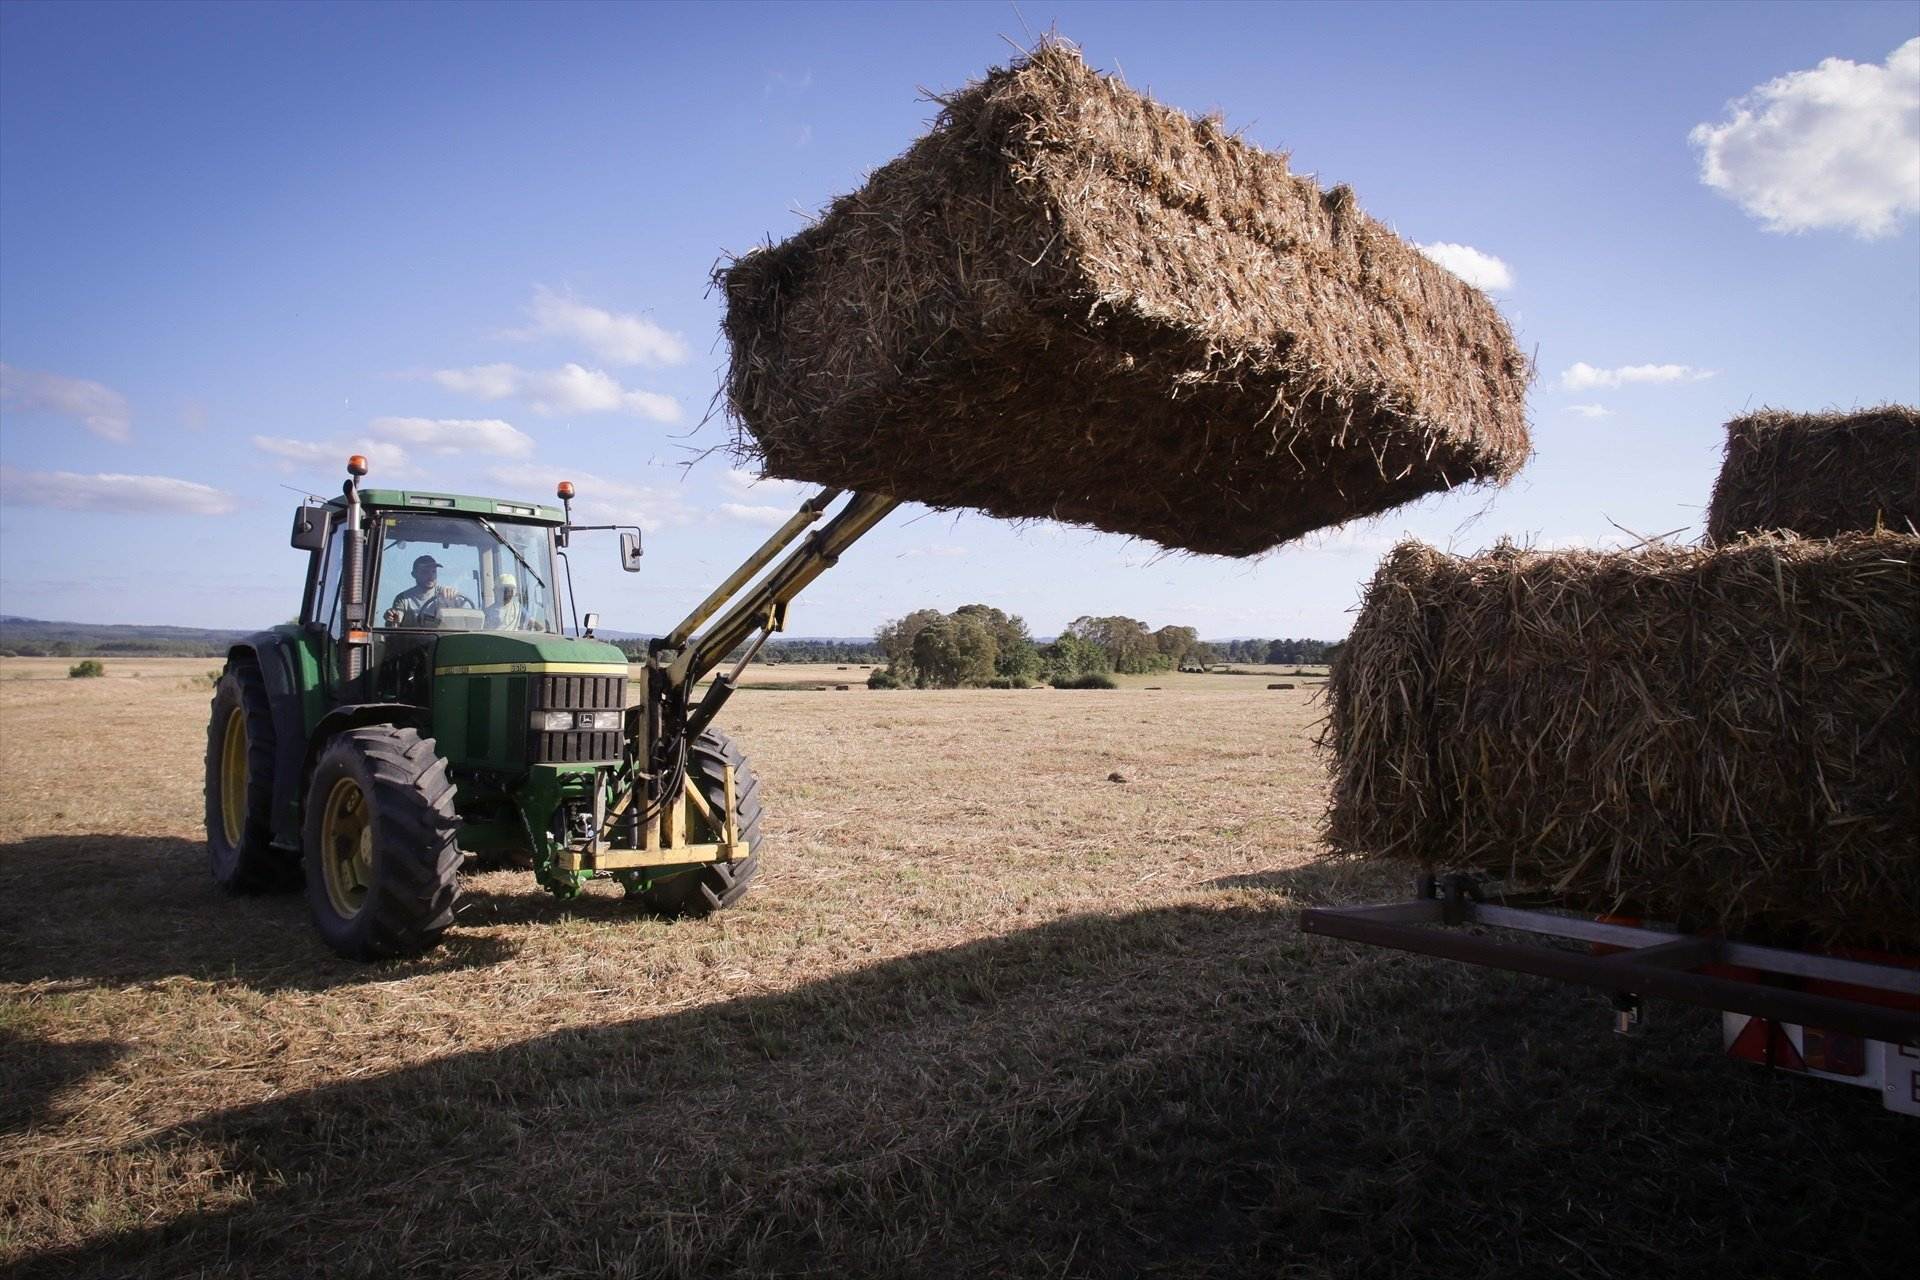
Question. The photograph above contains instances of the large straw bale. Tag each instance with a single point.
(1069, 302)
(1818, 474)
(1728, 736)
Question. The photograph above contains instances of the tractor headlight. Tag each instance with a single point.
(553, 721)
(600, 719)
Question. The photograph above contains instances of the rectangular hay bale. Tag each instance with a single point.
(1727, 736)
(1069, 302)
(1818, 474)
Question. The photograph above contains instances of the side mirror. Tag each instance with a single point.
(310, 528)
(630, 551)
(593, 620)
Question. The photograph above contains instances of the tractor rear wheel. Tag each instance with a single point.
(239, 788)
(382, 865)
(700, 890)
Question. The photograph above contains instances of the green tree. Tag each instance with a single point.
(951, 652)
(1015, 653)
(896, 640)
(1175, 643)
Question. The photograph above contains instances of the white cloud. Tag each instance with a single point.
(743, 483)
(1590, 410)
(454, 435)
(600, 499)
(748, 514)
(100, 408)
(484, 381)
(1837, 146)
(1581, 376)
(616, 336)
(1481, 270)
(69, 491)
(383, 459)
(572, 388)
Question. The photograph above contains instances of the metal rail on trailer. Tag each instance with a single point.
(1877, 1003)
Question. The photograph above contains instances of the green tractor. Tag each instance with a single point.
(370, 751)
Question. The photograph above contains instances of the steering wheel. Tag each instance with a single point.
(430, 611)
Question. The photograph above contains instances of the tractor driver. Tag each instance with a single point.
(420, 604)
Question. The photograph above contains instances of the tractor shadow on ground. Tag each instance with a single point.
(1192, 1092)
(120, 910)
(37, 1070)
(1328, 882)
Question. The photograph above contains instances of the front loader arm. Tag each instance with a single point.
(764, 606)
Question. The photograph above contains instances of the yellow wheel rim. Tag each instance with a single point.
(233, 777)
(346, 847)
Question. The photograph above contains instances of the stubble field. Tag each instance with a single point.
(987, 1012)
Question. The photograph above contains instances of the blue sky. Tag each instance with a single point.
(238, 242)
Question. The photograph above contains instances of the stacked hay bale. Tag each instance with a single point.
(1070, 302)
(1818, 474)
(1726, 736)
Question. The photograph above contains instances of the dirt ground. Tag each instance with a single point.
(988, 1012)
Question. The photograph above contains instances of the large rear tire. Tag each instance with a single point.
(382, 863)
(239, 788)
(701, 890)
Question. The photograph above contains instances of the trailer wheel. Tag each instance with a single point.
(239, 788)
(382, 863)
(698, 891)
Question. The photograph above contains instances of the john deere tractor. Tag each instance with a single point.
(432, 706)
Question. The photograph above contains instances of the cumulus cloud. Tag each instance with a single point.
(747, 513)
(601, 499)
(1481, 270)
(619, 337)
(70, 491)
(572, 388)
(453, 435)
(743, 483)
(1581, 376)
(1837, 146)
(1590, 410)
(99, 408)
(291, 455)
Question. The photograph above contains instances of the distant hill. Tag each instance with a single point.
(34, 638)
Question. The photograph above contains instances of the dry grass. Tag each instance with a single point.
(1726, 736)
(1818, 474)
(1070, 302)
(987, 1014)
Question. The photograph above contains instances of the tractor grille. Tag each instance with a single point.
(576, 693)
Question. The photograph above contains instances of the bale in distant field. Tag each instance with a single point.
(1818, 474)
(1069, 302)
(1725, 736)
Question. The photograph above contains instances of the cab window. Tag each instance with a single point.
(455, 573)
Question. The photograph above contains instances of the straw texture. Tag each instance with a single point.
(1069, 302)
(1818, 474)
(1725, 736)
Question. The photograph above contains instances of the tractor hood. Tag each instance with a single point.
(494, 652)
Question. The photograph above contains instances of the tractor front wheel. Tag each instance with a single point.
(382, 864)
(700, 890)
(239, 788)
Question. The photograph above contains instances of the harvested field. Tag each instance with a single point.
(1729, 736)
(1069, 302)
(986, 1014)
(1818, 474)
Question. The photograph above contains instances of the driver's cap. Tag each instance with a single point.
(428, 560)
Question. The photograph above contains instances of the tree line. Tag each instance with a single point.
(978, 644)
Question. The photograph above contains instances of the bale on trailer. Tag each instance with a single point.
(1069, 302)
(1726, 737)
(1818, 474)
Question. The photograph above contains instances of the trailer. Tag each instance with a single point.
(1845, 1015)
